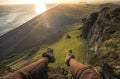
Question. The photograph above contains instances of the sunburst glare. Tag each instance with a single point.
(40, 7)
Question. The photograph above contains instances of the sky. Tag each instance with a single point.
(51, 1)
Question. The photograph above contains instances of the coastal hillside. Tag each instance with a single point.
(102, 33)
(92, 34)
(25, 44)
(43, 29)
(35, 32)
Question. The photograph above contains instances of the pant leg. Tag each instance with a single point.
(79, 71)
(36, 70)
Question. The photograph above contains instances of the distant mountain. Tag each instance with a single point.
(83, 3)
(109, 5)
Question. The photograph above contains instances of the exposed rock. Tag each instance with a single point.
(102, 32)
(89, 23)
(68, 36)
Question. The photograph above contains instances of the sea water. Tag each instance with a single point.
(12, 16)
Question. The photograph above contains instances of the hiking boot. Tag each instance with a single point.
(68, 57)
(50, 55)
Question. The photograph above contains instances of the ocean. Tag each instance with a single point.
(12, 16)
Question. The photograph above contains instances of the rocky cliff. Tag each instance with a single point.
(102, 33)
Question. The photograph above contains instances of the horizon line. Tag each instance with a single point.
(100, 2)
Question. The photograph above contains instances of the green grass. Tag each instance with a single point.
(63, 45)
(61, 48)
(71, 12)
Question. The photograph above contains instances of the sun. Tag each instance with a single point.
(40, 6)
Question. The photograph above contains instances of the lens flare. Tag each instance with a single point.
(40, 7)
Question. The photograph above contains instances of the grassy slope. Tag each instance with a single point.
(16, 61)
(61, 47)
(74, 43)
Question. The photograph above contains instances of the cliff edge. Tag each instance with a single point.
(102, 33)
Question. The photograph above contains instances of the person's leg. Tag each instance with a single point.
(36, 70)
(75, 66)
(78, 70)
